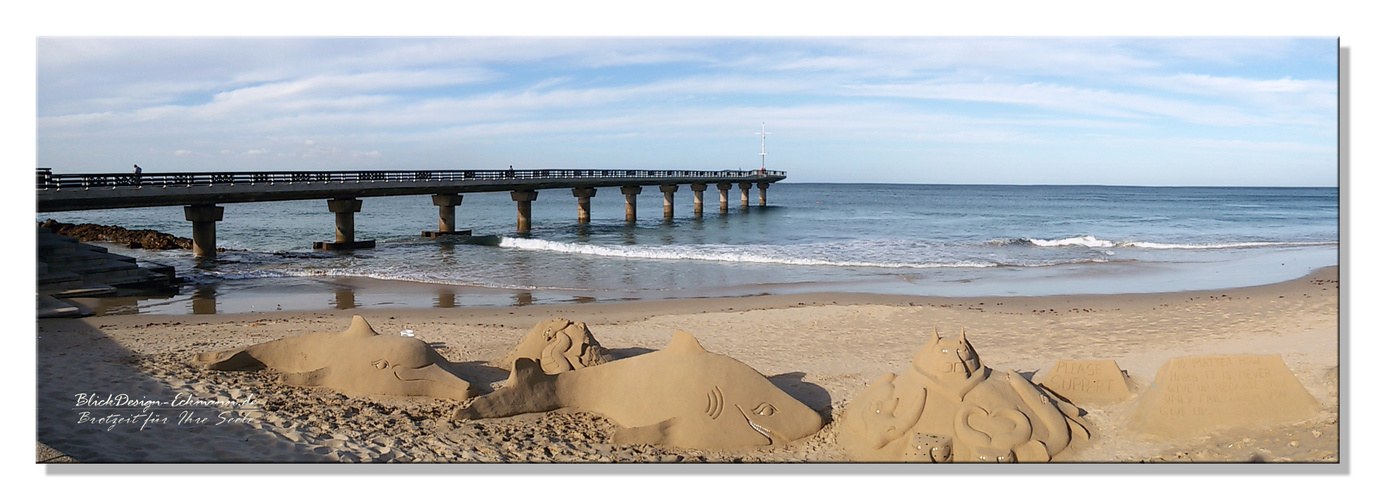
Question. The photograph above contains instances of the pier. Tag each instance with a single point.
(203, 193)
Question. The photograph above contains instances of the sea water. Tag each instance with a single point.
(942, 240)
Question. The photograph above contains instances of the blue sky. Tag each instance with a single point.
(1007, 110)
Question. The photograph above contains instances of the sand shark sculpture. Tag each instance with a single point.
(949, 406)
(680, 396)
(356, 360)
(559, 345)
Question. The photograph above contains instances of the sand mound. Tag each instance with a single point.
(949, 407)
(559, 345)
(1088, 381)
(1200, 393)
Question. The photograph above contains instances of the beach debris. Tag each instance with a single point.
(407, 333)
(1087, 381)
(357, 360)
(948, 407)
(1197, 394)
(558, 345)
(679, 396)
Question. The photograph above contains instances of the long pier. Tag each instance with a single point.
(202, 193)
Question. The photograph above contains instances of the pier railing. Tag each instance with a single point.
(48, 181)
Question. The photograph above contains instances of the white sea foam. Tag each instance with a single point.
(1084, 241)
(758, 254)
(1210, 246)
(1093, 242)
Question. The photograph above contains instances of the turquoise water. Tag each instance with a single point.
(902, 239)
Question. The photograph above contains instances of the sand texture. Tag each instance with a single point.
(823, 350)
(659, 397)
(356, 361)
(948, 407)
(559, 345)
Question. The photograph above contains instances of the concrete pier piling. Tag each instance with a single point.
(630, 192)
(763, 186)
(668, 190)
(745, 194)
(523, 199)
(203, 219)
(584, 196)
(723, 187)
(344, 210)
(446, 204)
(698, 188)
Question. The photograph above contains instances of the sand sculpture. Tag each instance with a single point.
(558, 345)
(357, 360)
(1200, 393)
(680, 396)
(1088, 381)
(948, 406)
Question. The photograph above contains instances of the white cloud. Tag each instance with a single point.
(1082, 101)
(321, 100)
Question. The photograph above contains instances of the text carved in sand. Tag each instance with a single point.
(1094, 381)
(1192, 394)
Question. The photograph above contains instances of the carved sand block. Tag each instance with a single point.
(680, 396)
(1201, 393)
(1088, 381)
(357, 360)
(559, 345)
(948, 406)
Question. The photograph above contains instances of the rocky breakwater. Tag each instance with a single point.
(134, 238)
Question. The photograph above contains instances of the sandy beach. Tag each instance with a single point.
(822, 349)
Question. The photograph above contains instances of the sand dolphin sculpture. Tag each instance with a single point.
(355, 360)
(680, 396)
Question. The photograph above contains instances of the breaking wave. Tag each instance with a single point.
(722, 253)
(1093, 242)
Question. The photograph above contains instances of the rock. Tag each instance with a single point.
(135, 238)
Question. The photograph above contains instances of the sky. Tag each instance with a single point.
(977, 110)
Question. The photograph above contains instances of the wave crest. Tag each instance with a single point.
(715, 253)
(1090, 241)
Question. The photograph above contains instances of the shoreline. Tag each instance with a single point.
(822, 348)
(365, 293)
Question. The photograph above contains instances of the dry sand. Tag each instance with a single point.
(821, 348)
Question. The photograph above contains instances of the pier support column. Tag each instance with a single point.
(523, 199)
(203, 219)
(344, 210)
(763, 186)
(584, 196)
(446, 202)
(745, 194)
(630, 192)
(698, 188)
(723, 187)
(668, 190)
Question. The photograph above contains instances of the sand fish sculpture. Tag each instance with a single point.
(356, 360)
(680, 396)
(559, 345)
(948, 406)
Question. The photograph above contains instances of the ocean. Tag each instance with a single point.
(940, 240)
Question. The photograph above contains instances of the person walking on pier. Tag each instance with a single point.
(138, 176)
(510, 171)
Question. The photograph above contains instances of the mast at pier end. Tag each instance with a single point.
(763, 135)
